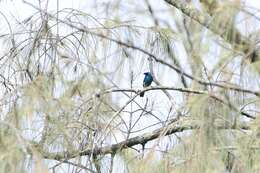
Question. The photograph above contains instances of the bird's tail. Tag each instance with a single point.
(142, 94)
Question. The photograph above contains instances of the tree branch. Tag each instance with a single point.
(124, 44)
(185, 90)
(241, 43)
(111, 149)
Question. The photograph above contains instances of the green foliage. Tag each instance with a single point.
(12, 149)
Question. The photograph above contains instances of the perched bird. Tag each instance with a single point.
(148, 79)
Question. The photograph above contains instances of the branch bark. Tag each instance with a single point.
(112, 149)
(232, 36)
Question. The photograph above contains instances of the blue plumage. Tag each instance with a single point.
(148, 79)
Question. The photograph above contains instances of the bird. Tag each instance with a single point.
(148, 79)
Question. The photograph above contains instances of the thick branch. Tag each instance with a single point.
(241, 43)
(111, 149)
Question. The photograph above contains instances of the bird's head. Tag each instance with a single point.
(147, 73)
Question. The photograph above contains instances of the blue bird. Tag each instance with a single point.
(148, 79)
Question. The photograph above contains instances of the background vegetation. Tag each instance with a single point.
(71, 74)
